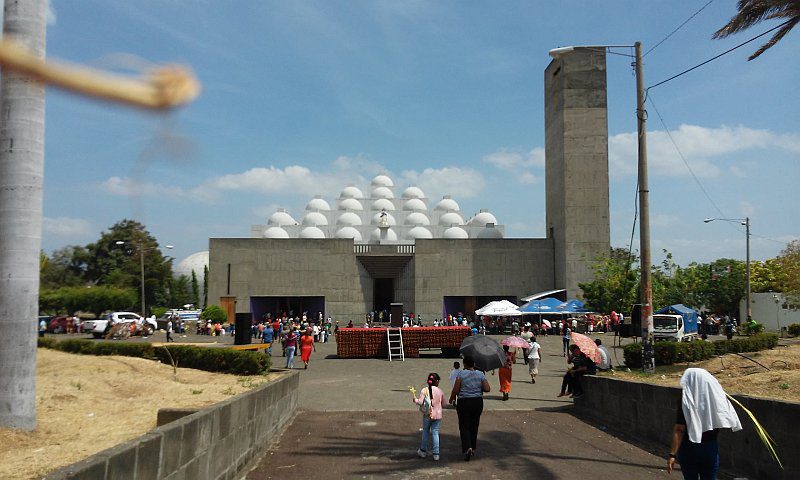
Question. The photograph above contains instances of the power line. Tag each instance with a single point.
(717, 56)
(680, 154)
(679, 27)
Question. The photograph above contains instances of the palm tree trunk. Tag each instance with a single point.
(21, 176)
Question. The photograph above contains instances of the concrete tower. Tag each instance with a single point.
(576, 152)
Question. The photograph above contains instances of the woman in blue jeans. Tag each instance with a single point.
(432, 398)
(704, 410)
(289, 347)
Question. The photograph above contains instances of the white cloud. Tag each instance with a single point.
(50, 15)
(435, 182)
(664, 220)
(66, 227)
(699, 145)
(747, 208)
(291, 180)
(527, 178)
(514, 160)
(128, 187)
(737, 171)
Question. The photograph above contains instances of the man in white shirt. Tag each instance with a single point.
(605, 357)
(534, 358)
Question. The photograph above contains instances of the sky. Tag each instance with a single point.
(304, 97)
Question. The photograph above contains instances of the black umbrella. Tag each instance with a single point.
(487, 353)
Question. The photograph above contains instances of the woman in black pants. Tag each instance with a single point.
(469, 388)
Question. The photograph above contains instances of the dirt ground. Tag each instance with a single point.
(86, 404)
(778, 376)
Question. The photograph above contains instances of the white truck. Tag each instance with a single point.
(676, 323)
(100, 327)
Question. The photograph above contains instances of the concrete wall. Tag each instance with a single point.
(479, 267)
(775, 315)
(576, 168)
(214, 443)
(330, 268)
(648, 412)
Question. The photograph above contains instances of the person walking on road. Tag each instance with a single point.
(431, 402)
(289, 347)
(470, 386)
(566, 338)
(306, 345)
(169, 331)
(703, 412)
(268, 337)
(505, 373)
(534, 358)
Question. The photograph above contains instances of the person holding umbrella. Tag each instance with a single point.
(469, 388)
(581, 365)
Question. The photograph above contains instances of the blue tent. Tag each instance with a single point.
(545, 305)
(679, 309)
(572, 306)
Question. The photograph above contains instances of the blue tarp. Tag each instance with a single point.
(545, 305)
(572, 306)
(689, 316)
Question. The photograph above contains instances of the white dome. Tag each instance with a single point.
(351, 192)
(376, 219)
(311, 232)
(383, 204)
(348, 232)
(382, 192)
(382, 181)
(417, 218)
(275, 232)
(348, 219)
(280, 219)
(314, 218)
(195, 262)
(415, 204)
(490, 232)
(418, 232)
(317, 203)
(350, 204)
(413, 192)
(482, 218)
(376, 235)
(447, 204)
(450, 218)
(455, 233)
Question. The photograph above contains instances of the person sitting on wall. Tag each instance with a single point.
(605, 357)
(581, 365)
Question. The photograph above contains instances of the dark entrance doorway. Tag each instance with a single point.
(289, 306)
(382, 295)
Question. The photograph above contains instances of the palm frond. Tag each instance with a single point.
(775, 38)
(762, 433)
(752, 12)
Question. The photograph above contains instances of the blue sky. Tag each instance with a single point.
(302, 98)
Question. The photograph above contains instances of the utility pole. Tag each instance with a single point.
(747, 269)
(141, 264)
(646, 288)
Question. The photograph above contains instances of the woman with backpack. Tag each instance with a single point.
(431, 403)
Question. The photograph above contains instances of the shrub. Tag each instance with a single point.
(214, 314)
(222, 360)
(667, 353)
(158, 312)
(44, 342)
(794, 329)
(751, 328)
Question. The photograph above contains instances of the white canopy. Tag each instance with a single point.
(499, 308)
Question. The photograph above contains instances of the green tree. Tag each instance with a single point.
(615, 284)
(119, 265)
(195, 290)
(753, 12)
(179, 293)
(205, 285)
(214, 313)
(94, 299)
(65, 267)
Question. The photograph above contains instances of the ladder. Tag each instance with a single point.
(394, 339)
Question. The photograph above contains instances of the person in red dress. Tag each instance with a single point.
(306, 346)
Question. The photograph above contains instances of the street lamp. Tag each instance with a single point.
(777, 300)
(141, 248)
(646, 285)
(746, 222)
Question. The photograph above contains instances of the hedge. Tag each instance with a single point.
(794, 329)
(222, 360)
(667, 353)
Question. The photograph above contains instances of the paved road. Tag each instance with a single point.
(357, 421)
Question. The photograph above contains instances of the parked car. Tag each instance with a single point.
(99, 328)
